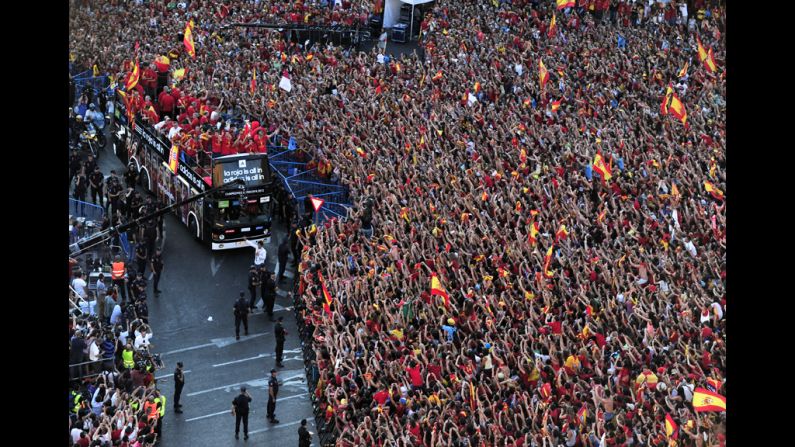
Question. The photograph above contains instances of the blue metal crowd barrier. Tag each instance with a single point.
(86, 210)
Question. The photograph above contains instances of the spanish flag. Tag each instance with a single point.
(705, 400)
(543, 74)
(674, 190)
(253, 87)
(710, 62)
(601, 216)
(582, 416)
(436, 289)
(546, 391)
(437, 76)
(173, 159)
(666, 100)
(188, 39)
(326, 295)
(683, 71)
(671, 429)
(601, 168)
(556, 105)
(547, 260)
(502, 273)
(677, 109)
(162, 63)
(527, 103)
(561, 234)
(553, 27)
(472, 396)
(563, 4)
(178, 74)
(477, 87)
(713, 190)
(702, 52)
(134, 76)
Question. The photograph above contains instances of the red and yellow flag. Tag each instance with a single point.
(601, 168)
(527, 103)
(666, 100)
(561, 234)
(582, 415)
(683, 71)
(477, 87)
(188, 39)
(471, 396)
(547, 261)
(553, 27)
(532, 237)
(134, 77)
(437, 76)
(709, 62)
(671, 429)
(563, 4)
(713, 190)
(543, 74)
(438, 290)
(702, 52)
(556, 105)
(253, 87)
(705, 400)
(326, 296)
(674, 190)
(173, 159)
(677, 109)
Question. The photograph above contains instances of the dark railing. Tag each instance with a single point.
(325, 433)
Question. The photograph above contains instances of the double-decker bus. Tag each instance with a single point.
(223, 219)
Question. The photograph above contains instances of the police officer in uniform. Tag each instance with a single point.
(141, 255)
(304, 435)
(284, 252)
(179, 382)
(240, 410)
(268, 292)
(156, 263)
(280, 336)
(97, 182)
(273, 391)
(114, 190)
(253, 283)
(74, 165)
(138, 286)
(241, 314)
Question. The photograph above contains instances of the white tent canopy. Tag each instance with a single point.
(392, 10)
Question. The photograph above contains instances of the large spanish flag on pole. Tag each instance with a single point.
(134, 76)
(188, 39)
(705, 400)
(437, 289)
(671, 429)
(543, 74)
(326, 296)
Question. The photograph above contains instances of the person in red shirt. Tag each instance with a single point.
(415, 373)
(149, 80)
(226, 144)
(166, 102)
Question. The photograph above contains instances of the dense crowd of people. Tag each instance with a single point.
(577, 227)
(114, 400)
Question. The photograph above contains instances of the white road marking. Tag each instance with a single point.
(253, 383)
(309, 420)
(188, 349)
(169, 375)
(292, 351)
(213, 266)
(217, 342)
(229, 412)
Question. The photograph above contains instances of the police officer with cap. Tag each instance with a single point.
(280, 337)
(240, 411)
(241, 314)
(253, 283)
(179, 382)
(273, 391)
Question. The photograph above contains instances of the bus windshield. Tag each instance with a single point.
(236, 211)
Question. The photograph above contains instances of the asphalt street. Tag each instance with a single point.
(193, 322)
